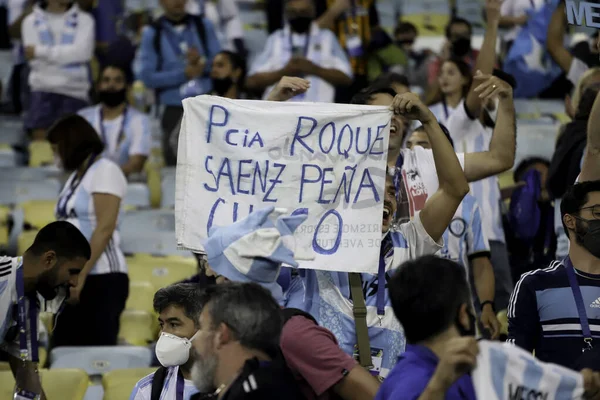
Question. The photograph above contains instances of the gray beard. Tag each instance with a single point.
(203, 373)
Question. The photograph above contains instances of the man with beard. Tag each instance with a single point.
(124, 131)
(302, 49)
(237, 345)
(556, 311)
(55, 259)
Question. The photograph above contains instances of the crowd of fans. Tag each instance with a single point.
(272, 332)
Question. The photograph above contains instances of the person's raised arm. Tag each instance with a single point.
(501, 155)
(555, 37)
(333, 12)
(439, 208)
(487, 55)
(590, 170)
(288, 87)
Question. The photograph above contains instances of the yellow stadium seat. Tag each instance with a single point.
(141, 295)
(119, 383)
(428, 24)
(38, 213)
(40, 154)
(4, 216)
(57, 383)
(43, 356)
(161, 271)
(503, 319)
(25, 240)
(137, 327)
(153, 182)
(4, 366)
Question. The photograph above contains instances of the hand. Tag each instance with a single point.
(591, 384)
(193, 56)
(75, 291)
(410, 106)
(29, 52)
(304, 65)
(287, 88)
(492, 10)
(491, 87)
(193, 71)
(459, 357)
(490, 322)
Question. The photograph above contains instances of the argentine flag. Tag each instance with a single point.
(527, 60)
(505, 371)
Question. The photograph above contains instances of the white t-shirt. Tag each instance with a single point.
(505, 371)
(470, 136)
(103, 176)
(517, 8)
(143, 389)
(135, 139)
(442, 111)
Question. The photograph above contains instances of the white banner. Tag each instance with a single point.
(325, 159)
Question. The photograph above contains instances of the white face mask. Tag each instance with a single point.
(173, 350)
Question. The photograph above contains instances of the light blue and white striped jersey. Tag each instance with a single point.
(326, 296)
(507, 372)
(103, 176)
(8, 292)
(135, 140)
(143, 389)
(464, 237)
(442, 111)
(323, 49)
(470, 136)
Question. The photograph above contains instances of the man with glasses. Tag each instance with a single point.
(556, 311)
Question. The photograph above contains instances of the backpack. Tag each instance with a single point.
(524, 214)
(161, 374)
(157, 25)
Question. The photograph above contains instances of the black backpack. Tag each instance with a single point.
(157, 25)
(160, 375)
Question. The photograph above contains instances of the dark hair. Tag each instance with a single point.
(76, 140)
(586, 102)
(249, 311)
(64, 239)
(237, 61)
(465, 70)
(444, 130)
(389, 78)
(367, 94)
(125, 69)
(426, 295)
(405, 27)
(458, 21)
(575, 197)
(188, 296)
(526, 164)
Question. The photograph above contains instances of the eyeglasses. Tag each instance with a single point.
(595, 210)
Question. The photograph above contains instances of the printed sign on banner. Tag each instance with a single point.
(328, 160)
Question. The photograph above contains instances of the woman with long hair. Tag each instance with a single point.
(454, 81)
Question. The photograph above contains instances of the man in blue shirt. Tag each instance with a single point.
(431, 299)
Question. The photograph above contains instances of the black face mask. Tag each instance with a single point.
(300, 24)
(112, 98)
(589, 238)
(461, 47)
(461, 329)
(221, 85)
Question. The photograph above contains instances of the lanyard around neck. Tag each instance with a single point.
(61, 207)
(180, 385)
(583, 319)
(121, 135)
(22, 320)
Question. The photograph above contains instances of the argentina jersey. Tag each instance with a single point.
(143, 389)
(326, 296)
(76, 205)
(8, 293)
(464, 239)
(123, 137)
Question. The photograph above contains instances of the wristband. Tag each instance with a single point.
(490, 302)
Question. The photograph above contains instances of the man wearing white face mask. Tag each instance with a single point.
(179, 308)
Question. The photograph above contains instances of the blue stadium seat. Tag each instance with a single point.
(101, 359)
(167, 188)
(14, 191)
(138, 196)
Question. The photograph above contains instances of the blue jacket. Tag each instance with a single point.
(168, 79)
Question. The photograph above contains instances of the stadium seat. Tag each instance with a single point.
(29, 174)
(149, 232)
(167, 188)
(4, 366)
(101, 359)
(57, 383)
(119, 383)
(503, 319)
(137, 328)
(40, 154)
(153, 181)
(138, 196)
(25, 240)
(38, 213)
(161, 271)
(48, 320)
(4, 217)
(141, 295)
(18, 191)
